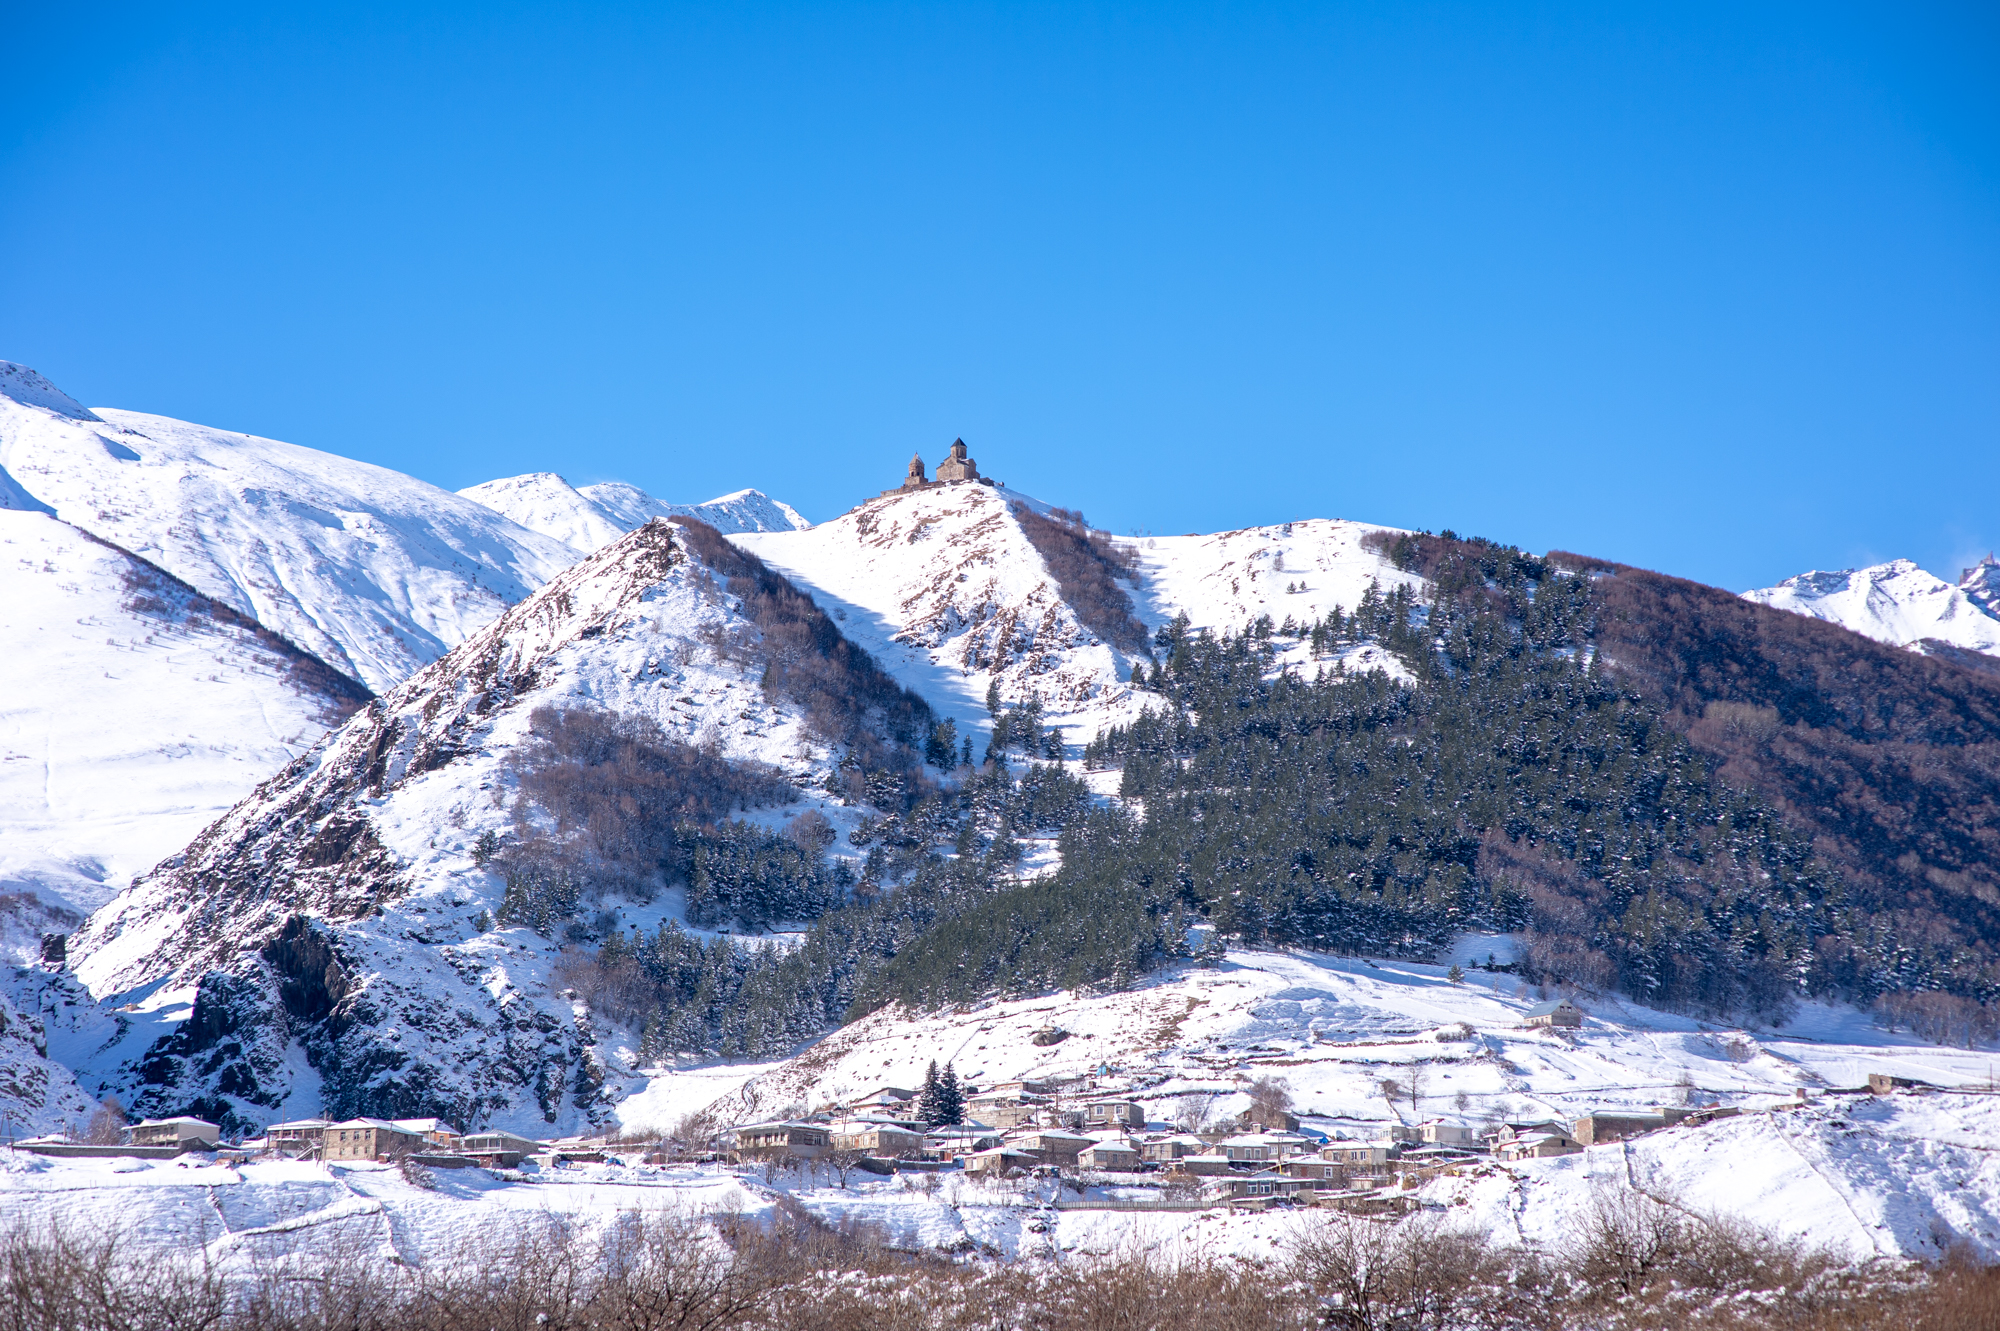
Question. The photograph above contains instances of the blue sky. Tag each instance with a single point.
(1710, 289)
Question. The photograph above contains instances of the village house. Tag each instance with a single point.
(435, 1131)
(1595, 1129)
(1052, 1146)
(791, 1140)
(1555, 1012)
(501, 1149)
(949, 1143)
(1008, 1108)
(1260, 1147)
(190, 1134)
(1242, 1187)
(1360, 1155)
(1269, 1118)
(369, 1139)
(1306, 1166)
(1440, 1133)
(1118, 1154)
(1203, 1165)
(999, 1160)
(1166, 1150)
(1537, 1145)
(876, 1137)
(298, 1137)
(1113, 1113)
(889, 1098)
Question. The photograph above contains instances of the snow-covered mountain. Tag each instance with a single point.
(947, 589)
(1900, 604)
(589, 518)
(375, 572)
(133, 711)
(343, 909)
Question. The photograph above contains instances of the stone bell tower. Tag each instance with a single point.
(957, 466)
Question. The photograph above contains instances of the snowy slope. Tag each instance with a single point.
(350, 877)
(375, 572)
(1899, 603)
(133, 711)
(944, 587)
(596, 515)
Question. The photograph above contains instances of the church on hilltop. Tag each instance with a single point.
(957, 466)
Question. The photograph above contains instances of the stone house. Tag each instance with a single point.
(1117, 1154)
(791, 1140)
(369, 1139)
(1358, 1154)
(1537, 1145)
(1594, 1129)
(1203, 1165)
(299, 1136)
(190, 1134)
(1166, 1150)
(1114, 1114)
(1052, 1146)
(999, 1160)
(502, 1149)
(1440, 1133)
(876, 1138)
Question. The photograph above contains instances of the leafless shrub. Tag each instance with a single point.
(56, 1276)
(106, 1126)
(1417, 1275)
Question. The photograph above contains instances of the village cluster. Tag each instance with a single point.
(1086, 1130)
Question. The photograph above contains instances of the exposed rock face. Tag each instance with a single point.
(341, 910)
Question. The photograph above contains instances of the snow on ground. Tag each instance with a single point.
(130, 718)
(1902, 1176)
(1334, 1028)
(943, 588)
(1898, 603)
(1225, 580)
(373, 571)
(592, 517)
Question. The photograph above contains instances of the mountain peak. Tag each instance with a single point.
(1898, 603)
(31, 388)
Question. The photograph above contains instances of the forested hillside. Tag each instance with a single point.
(1707, 804)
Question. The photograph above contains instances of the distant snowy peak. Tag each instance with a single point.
(1899, 604)
(20, 384)
(544, 502)
(374, 572)
(731, 514)
(593, 516)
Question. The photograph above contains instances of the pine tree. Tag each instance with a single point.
(930, 1101)
(993, 697)
(951, 1098)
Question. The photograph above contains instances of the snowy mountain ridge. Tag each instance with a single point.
(593, 516)
(346, 907)
(1900, 604)
(375, 572)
